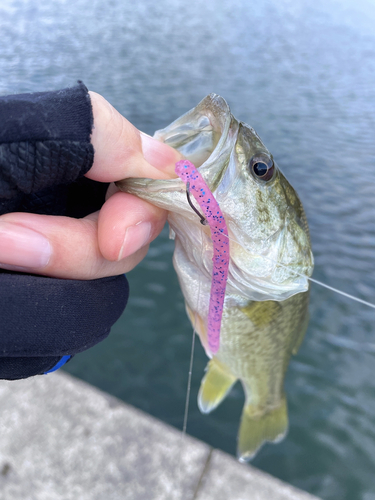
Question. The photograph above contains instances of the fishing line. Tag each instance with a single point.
(188, 390)
(339, 291)
(187, 400)
(313, 280)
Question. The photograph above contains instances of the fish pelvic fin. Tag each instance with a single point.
(215, 385)
(256, 429)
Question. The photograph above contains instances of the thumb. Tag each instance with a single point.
(122, 151)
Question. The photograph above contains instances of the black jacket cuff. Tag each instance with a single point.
(44, 319)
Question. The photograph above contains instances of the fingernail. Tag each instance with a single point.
(23, 247)
(135, 238)
(158, 154)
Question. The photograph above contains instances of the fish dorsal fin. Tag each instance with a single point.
(262, 313)
(215, 385)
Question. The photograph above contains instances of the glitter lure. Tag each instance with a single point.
(219, 235)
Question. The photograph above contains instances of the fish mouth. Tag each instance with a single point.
(206, 136)
(200, 132)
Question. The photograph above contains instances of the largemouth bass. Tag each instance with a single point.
(265, 309)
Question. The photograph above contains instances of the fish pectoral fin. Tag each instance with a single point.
(256, 429)
(262, 313)
(215, 386)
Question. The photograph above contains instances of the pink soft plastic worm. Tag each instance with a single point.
(219, 235)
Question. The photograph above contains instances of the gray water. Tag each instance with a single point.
(302, 74)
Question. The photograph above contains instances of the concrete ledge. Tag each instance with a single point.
(61, 439)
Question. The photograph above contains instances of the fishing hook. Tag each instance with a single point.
(203, 220)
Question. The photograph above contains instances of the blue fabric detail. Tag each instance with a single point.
(58, 365)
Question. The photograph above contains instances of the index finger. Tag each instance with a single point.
(122, 151)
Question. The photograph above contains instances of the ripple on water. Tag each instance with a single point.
(302, 74)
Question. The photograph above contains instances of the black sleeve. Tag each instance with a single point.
(44, 140)
(45, 150)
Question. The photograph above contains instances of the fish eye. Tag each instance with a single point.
(262, 167)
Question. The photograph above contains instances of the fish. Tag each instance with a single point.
(265, 310)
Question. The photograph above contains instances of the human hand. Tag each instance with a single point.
(111, 241)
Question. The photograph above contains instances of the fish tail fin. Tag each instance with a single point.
(215, 386)
(256, 429)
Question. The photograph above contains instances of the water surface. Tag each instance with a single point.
(302, 74)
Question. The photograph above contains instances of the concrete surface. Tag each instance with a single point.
(61, 439)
